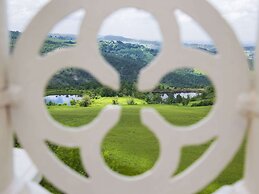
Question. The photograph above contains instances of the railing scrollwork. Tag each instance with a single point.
(29, 73)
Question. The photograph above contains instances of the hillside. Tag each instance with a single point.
(125, 55)
(128, 59)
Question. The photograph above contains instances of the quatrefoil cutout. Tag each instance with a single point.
(33, 125)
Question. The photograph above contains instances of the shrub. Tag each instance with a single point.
(131, 101)
(97, 97)
(51, 103)
(204, 103)
(185, 102)
(115, 101)
(73, 102)
(86, 101)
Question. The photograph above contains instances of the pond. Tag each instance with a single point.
(61, 99)
(182, 94)
(186, 95)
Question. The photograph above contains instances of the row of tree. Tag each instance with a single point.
(206, 98)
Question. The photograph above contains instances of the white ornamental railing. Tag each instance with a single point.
(24, 74)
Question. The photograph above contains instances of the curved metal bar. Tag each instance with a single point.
(6, 135)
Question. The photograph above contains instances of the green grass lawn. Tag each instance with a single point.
(121, 100)
(131, 149)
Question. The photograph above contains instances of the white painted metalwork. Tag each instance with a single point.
(27, 75)
(252, 163)
(6, 160)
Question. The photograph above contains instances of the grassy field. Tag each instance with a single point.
(131, 149)
(121, 100)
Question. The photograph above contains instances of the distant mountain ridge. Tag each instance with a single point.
(154, 44)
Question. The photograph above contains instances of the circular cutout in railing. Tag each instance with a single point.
(64, 34)
(74, 98)
(198, 38)
(183, 97)
(130, 148)
(128, 141)
(130, 39)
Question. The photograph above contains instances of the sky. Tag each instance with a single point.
(139, 24)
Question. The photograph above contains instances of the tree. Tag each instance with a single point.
(185, 101)
(170, 100)
(73, 102)
(107, 92)
(86, 101)
(179, 99)
(89, 93)
(149, 98)
(157, 99)
(50, 103)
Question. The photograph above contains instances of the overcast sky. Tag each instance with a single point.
(132, 23)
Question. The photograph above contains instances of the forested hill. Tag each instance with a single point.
(127, 57)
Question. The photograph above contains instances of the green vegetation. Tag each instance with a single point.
(126, 58)
(204, 103)
(119, 100)
(86, 101)
(73, 102)
(130, 148)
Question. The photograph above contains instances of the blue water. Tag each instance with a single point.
(186, 95)
(183, 95)
(61, 99)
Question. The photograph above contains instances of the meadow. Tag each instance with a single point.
(130, 148)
